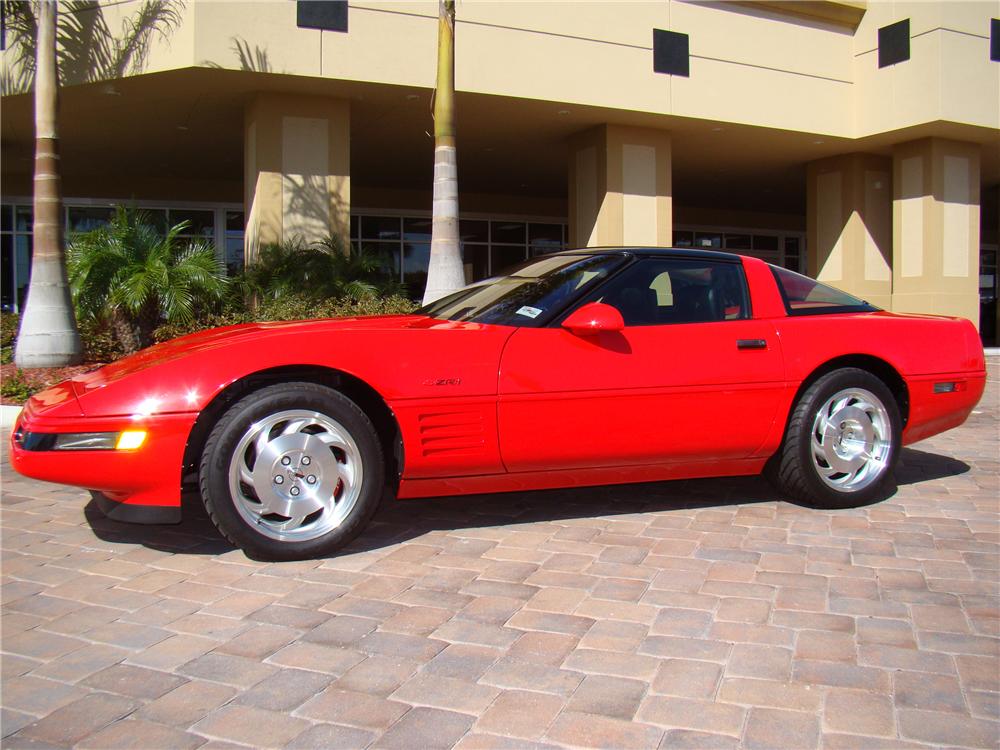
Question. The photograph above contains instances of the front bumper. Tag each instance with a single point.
(128, 480)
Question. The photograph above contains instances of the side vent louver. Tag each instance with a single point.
(451, 432)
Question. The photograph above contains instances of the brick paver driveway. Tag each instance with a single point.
(686, 614)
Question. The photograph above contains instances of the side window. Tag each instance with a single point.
(662, 291)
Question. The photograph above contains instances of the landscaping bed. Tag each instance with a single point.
(18, 385)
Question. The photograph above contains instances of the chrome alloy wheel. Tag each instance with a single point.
(851, 440)
(295, 475)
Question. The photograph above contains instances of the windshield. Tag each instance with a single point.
(805, 296)
(529, 295)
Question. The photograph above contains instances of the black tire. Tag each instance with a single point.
(795, 471)
(237, 508)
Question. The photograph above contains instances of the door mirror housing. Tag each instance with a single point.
(593, 318)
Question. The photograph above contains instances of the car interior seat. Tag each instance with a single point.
(637, 306)
(697, 303)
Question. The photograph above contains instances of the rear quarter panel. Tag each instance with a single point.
(923, 349)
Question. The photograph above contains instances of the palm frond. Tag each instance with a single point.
(88, 50)
(21, 28)
(359, 290)
(130, 49)
(84, 41)
(254, 61)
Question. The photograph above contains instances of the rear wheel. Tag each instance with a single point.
(292, 471)
(842, 442)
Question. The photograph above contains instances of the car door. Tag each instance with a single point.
(691, 377)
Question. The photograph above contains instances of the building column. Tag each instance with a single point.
(620, 187)
(935, 220)
(849, 225)
(297, 170)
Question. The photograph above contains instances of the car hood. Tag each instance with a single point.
(220, 338)
(183, 374)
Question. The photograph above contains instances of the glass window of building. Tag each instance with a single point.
(380, 227)
(7, 285)
(507, 232)
(15, 255)
(233, 249)
(200, 223)
(780, 248)
(545, 238)
(87, 218)
(489, 246)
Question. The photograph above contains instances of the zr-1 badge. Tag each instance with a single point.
(443, 381)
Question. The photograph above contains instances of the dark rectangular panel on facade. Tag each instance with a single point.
(995, 39)
(671, 53)
(328, 15)
(894, 43)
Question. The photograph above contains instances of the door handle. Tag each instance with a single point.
(751, 343)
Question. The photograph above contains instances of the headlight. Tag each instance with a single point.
(126, 440)
(85, 441)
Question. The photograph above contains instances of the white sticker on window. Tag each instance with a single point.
(530, 312)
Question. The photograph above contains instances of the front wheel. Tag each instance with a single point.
(292, 471)
(842, 442)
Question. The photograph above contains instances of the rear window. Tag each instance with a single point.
(805, 296)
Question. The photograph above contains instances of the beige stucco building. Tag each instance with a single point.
(857, 142)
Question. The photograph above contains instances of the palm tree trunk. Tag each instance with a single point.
(48, 335)
(126, 333)
(445, 273)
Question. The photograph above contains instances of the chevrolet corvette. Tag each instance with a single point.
(583, 367)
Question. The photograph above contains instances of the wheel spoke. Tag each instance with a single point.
(260, 442)
(303, 505)
(254, 507)
(291, 524)
(332, 440)
(245, 476)
(294, 425)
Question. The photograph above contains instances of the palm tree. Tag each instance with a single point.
(48, 336)
(131, 275)
(445, 272)
(89, 52)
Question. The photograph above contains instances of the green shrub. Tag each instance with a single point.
(301, 307)
(16, 387)
(292, 307)
(9, 323)
(326, 270)
(133, 277)
(169, 331)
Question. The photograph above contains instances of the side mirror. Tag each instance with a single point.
(593, 318)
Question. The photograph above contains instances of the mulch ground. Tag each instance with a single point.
(42, 377)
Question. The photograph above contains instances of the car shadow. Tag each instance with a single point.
(400, 521)
(920, 466)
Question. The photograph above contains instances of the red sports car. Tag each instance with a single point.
(584, 367)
